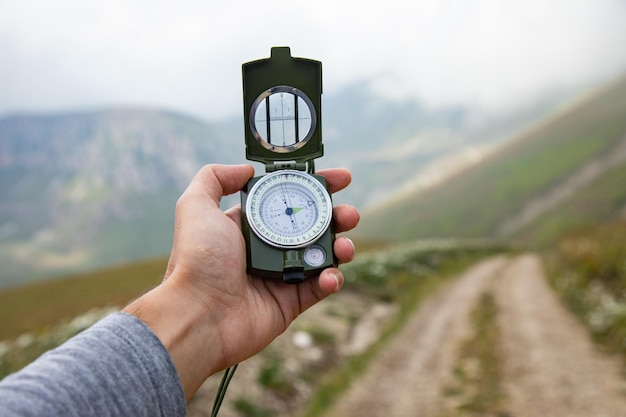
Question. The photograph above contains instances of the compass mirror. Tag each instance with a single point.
(282, 119)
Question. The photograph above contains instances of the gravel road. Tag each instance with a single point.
(550, 366)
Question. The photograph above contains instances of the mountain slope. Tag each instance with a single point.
(89, 189)
(482, 200)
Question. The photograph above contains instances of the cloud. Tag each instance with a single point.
(186, 55)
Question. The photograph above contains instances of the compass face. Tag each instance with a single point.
(288, 209)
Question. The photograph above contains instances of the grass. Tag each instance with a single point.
(588, 269)
(247, 408)
(601, 200)
(476, 202)
(39, 306)
(272, 377)
(477, 387)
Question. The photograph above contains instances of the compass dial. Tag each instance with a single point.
(288, 209)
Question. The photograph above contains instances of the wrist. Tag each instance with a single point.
(184, 329)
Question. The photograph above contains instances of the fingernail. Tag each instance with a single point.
(336, 278)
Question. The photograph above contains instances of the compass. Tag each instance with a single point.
(286, 213)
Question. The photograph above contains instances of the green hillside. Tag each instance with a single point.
(478, 201)
(36, 306)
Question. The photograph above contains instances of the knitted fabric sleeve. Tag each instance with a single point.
(117, 367)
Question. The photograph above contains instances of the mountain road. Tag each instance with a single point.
(549, 365)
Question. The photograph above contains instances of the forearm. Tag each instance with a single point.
(115, 368)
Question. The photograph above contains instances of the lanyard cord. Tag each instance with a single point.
(221, 391)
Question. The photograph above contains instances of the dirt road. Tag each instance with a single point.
(549, 365)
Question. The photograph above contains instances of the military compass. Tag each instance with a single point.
(286, 213)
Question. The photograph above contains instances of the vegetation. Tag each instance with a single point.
(476, 389)
(272, 377)
(478, 201)
(247, 408)
(588, 269)
(19, 352)
(385, 274)
(603, 199)
(35, 308)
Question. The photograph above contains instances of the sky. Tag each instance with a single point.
(186, 55)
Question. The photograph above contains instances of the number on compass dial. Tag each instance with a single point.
(288, 209)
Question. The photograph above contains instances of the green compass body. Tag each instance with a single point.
(287, 213)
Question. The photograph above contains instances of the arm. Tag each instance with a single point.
(100, 372)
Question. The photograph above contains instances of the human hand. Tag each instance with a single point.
(207, 299)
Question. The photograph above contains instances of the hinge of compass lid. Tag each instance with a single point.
(276, 166)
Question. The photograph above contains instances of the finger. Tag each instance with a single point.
(330, 281)
(338, 178)
(235, 214)
(219, 180)
(314, 290)
(346, 218)
(344, 249)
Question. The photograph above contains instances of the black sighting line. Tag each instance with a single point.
(267, 119)
(295, 112)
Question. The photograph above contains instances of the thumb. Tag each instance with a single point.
(217, 181)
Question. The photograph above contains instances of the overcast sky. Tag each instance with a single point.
(186, 55)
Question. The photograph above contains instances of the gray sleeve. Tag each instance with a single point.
(117, 367)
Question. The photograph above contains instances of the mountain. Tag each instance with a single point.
(85, 190)
(89, 189)
(565, 172)
(388, 143)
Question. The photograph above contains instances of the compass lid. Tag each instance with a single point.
(282, 108)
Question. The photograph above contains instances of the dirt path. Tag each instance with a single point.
(550, 366)
(407, 378)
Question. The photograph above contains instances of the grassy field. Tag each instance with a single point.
(476, 202)
(38, 306)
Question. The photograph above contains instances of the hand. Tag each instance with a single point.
(208, 312)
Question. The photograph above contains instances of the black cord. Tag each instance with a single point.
(221, 391)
